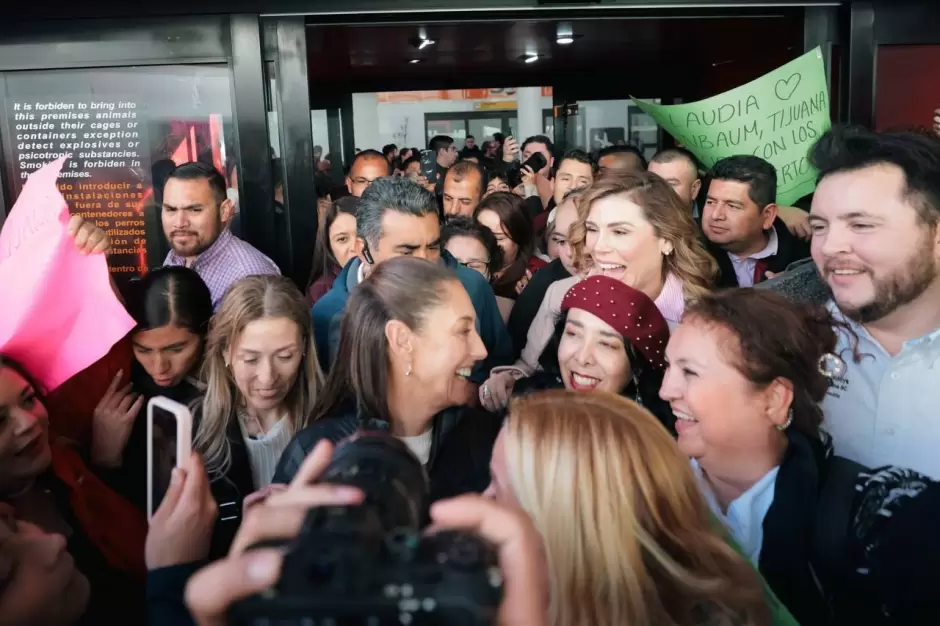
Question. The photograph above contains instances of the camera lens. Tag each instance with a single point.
(391, 477)
(402, 544)
(464, 552)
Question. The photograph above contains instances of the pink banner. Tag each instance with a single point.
(59, 313)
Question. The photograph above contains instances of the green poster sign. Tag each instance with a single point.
(777, 117)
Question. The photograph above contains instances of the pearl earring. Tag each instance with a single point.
(786, 425)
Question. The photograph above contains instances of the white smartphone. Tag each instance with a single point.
(169, 442)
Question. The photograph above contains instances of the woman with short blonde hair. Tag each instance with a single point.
(628, 537)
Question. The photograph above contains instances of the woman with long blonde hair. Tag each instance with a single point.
(628, 538)
(262, 379)
(633, 228)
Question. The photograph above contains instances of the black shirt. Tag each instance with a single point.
(529, 301)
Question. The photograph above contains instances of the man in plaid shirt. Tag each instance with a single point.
(195, 214)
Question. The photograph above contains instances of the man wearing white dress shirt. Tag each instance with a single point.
(877, 246)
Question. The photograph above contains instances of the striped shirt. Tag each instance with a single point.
(226, 261)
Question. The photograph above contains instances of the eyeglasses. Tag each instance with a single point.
(479, 266)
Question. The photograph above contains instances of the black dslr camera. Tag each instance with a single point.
(370, 565)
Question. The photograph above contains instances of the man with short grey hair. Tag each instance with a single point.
(398, 217)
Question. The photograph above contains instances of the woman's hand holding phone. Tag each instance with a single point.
(181, 529)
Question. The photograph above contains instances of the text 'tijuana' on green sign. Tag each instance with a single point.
(777, 117)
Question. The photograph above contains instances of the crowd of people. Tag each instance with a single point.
(594, 362)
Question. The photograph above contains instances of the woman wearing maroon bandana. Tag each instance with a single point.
(610, 337)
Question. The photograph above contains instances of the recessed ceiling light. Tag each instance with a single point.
(532, 58)
(421, 41)
(564, 34)
(414, 61)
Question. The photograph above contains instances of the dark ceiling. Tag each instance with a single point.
(642, 55)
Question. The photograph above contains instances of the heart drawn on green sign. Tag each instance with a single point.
(785, 88)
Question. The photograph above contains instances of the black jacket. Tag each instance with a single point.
(230, 489)
(116, 596)
(786, 553)
(166, 588)
(796, 558)
(462, 444)
(528, 303)
(789, 250)
(544, 380)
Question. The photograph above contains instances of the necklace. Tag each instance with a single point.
(251, 421)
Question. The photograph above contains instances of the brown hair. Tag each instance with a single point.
(402, 289)
(461, 169)
(628, 536)
(516, 223)
(324, 262)
(671, 220)
(775, 338)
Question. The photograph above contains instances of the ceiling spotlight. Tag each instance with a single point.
(564, 34)
(532, 58)
(421, 42)
(416, 61)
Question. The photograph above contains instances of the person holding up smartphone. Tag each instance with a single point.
(540, 177)
(445, 155)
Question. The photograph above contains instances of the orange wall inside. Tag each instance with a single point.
(907, 86)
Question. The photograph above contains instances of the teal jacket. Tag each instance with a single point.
(329, 309)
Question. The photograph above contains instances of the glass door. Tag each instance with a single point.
(484, 129)
(455, 128)
(593, 125)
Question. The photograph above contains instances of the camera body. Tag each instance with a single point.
(339, 578)
(371, 564)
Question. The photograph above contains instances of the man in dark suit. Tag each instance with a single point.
(741, 226)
